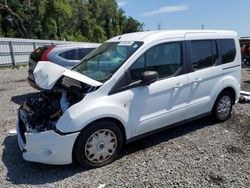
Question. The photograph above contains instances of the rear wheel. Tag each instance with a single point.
(223, 106)
(99, 144)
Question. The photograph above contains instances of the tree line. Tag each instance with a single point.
(71, 20)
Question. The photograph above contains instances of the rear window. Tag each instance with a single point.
(228, 50)
(76, 54)
(70, 55)
(82, 52)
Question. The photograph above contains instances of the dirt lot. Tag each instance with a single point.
(198, 154)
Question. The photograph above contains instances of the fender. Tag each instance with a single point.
(225, 82)
(88, 110)
(231, 81)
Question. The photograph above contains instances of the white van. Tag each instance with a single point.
(131, 86)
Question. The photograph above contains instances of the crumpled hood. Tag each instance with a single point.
(47, 73)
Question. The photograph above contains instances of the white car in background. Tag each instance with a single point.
(131, 86)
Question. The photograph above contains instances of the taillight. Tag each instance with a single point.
(44, 56)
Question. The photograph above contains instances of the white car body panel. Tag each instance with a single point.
(81, 78)
(173, 91)
(143, 109)
(47, 73)
(47, 147)
(201, 86)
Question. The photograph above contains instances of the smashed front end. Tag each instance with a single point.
(38, 137)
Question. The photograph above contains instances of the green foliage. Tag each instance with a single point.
(74, 20)
(50, 29)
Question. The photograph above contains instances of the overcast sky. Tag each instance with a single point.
(191, 14)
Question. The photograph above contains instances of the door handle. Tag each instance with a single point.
(179, 85)
(196, 80)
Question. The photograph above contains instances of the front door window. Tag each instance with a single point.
(165, 59)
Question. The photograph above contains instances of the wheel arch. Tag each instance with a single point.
(231, 90)
(114, 120)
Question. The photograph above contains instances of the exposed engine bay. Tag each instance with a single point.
(41, 112)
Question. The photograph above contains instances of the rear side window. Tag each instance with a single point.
(228, 50)
(82, 52)
(204, 54)
(70, 55)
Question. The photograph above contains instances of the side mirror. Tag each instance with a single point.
(149, 77)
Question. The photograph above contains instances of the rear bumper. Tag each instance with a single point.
(45, 147)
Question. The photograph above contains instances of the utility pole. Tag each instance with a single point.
(159, 26)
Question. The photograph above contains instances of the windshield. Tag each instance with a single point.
(103, 62)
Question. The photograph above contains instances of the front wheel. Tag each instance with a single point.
(223, 106)
(99, 144)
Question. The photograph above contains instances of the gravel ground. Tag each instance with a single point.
(197, 154)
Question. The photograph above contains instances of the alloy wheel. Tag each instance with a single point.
(224, 107)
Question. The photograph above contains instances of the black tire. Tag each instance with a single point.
(215, 112)
(80, 145)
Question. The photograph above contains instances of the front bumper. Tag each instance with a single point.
(46, 147)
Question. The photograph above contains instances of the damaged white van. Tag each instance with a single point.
(131, 86)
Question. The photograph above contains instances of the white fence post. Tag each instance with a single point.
(12, 55)
(34, 45)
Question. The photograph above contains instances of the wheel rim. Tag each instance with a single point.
(100, 146)
(224, 107)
